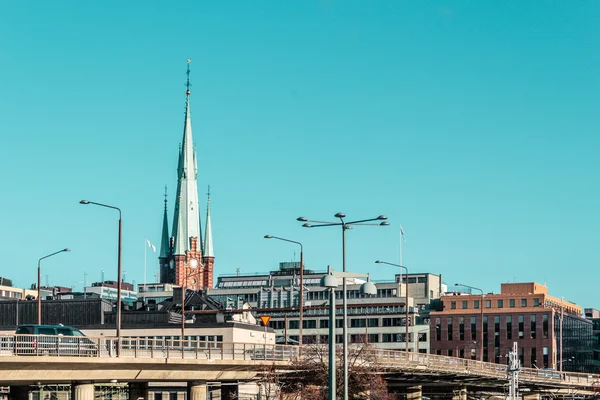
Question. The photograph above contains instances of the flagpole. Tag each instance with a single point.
(145, 251)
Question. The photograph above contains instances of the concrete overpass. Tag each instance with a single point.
(29, 360)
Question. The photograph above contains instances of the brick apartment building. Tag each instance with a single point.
(524, 313)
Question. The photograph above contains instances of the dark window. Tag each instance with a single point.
(46, 331)
(523, 302)
(294, 324)
(476, 304)
(536, 302)
(358, 323)
(453, 305)
(500, 303)
(450, 353)
(324, 323)
(511, 303)
(450, 328)
(461, 328)
(373, 322)
(545, 353)
(438, 329)
(464, 304)
(473, 328)
(533, 328)
(485, 332)
(509, 327)
(339, 323)
(545, 326)
(373, 338)
(533, 356)
(309, 323)
(488, 304)
(25, 330)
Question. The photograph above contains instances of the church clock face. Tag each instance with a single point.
(172, 263)
(194, 263)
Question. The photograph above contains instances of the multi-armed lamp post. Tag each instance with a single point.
(345, 225)
(39, 292)
(301, 293)
(119, 271)
(406, 297)
(329, 281)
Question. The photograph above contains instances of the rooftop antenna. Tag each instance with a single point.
(102, 276)
(47, 282)
(237, 271)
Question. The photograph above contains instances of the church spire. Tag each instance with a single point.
(164, 241)
(186, 219)
(208, 241)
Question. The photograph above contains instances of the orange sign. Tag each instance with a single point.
(265, 319)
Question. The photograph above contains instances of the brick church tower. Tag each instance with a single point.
(184, 258)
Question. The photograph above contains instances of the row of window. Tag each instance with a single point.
(339, 323)
(532, 321)
(499, 303)
(371, 338)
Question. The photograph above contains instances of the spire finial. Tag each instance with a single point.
(188, 84)
(208, 193)
(165, 197)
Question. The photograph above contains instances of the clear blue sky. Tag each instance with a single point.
(473, 124)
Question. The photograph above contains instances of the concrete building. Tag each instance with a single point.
(379, 319)
(522, 312)
(594, 316)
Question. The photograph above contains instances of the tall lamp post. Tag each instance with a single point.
(39, 279)
(119, 271)
(301, 293)
(345, 226)
(329, 281)
(481, 313)
(406, 290)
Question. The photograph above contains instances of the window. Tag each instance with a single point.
(324, 323)
(533, 356)
(521, 327)
(450, 328)
(523, 302)
(309, 323)
(473, 328)
(545, 326)
(438, 329)
(545, 353)
(511, 303)
(358, 323)
(533, 328)
(500, 303)
(450, 353)
(488, 304)
(464, 304)
(453, 305)
(476, 304)
(373, 322)
(295, 324)
(508, 327)
(339, 323)
(536, 302)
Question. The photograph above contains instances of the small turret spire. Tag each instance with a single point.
(164, 241)
(208, 241)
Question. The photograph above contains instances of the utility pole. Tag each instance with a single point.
(512, 371)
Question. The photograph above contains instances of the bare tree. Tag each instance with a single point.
(309, 378)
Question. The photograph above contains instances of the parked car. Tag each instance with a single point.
(53, 340)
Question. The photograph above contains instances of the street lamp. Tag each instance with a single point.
(345, 225)
(481, 310)
(301, 302)
(406, 302)
(39, 292)
(119, 271)
(329, 281)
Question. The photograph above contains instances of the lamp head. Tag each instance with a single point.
(302, 219)
(340, 215)
(378, 262)
(382, 217)
(84, 202)
(329, 281)
(307, 225)
(268, 237)
(457, 284)
(67, 250)
(368, 288)
(384, 223)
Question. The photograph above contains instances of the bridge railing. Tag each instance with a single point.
(87, 346)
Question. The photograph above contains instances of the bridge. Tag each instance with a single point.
(84, 361)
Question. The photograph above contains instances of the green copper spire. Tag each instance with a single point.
(164, 241)
(186, 219)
